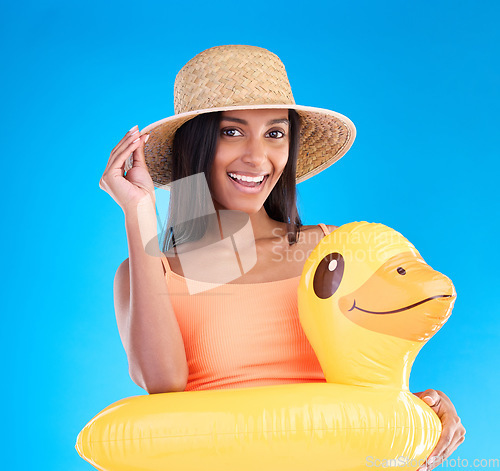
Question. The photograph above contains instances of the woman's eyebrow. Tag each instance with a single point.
(235, 120)
(278, 121)
(242, 121)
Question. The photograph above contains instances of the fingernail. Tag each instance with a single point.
(133, 142)
(132, 128)
(429, 400)
(146, 139)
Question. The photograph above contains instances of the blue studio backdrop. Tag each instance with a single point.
(418, 79)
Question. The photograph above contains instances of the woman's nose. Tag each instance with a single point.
(255, 152)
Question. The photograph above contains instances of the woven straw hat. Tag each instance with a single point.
(238, 77)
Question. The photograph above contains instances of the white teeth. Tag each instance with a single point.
(247, 179)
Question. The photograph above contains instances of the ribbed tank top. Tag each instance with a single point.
(243, 335)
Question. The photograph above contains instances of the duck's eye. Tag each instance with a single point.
(328, 275)
(401, 271)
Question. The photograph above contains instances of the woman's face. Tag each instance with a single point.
(252, 143)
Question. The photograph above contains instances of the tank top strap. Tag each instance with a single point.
(325, 229)
(166, 265)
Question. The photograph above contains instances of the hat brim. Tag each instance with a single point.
(325, 137)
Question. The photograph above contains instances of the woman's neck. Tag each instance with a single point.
(228, 222)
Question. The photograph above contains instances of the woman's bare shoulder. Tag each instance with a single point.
(316, 227)
(331, 228)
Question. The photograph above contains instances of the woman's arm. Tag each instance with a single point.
(453, 432)
(146, 321)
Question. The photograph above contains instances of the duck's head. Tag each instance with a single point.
(366, 292)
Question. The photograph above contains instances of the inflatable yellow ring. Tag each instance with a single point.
(368, 303)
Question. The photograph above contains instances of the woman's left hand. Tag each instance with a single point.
(453, 432)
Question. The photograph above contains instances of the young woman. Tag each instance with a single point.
(216, 308)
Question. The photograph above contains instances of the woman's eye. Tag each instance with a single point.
(231, 132)
(276, 134)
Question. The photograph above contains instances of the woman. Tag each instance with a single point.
(231, 156)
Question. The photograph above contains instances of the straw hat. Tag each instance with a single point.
(244, 77)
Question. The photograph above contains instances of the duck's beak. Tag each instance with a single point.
(405, 298)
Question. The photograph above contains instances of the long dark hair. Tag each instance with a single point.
(193, 152)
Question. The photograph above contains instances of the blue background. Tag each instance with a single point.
(420, 80)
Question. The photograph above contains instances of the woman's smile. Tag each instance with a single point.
(248, 184)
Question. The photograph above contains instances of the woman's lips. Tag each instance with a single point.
(248, 189)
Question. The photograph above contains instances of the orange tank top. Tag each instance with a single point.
(243, 335)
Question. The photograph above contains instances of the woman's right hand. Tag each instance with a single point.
(130, 189)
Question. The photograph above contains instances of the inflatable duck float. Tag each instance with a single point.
(368, 302)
